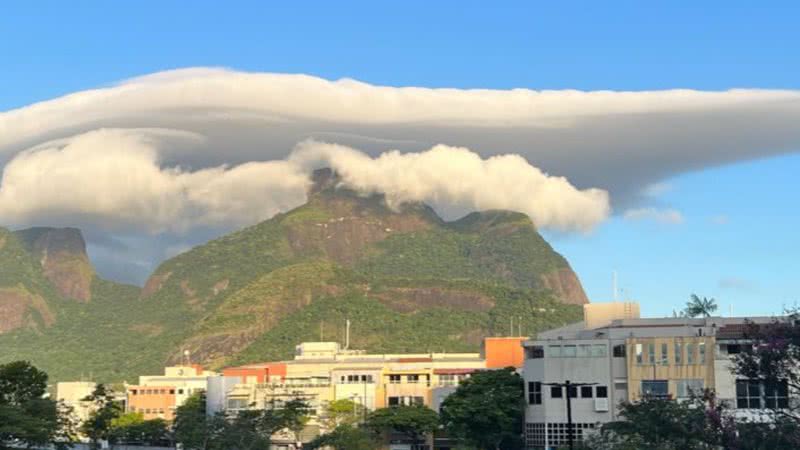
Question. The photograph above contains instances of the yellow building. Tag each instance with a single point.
(669, 367)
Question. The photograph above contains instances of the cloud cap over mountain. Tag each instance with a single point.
(185, 150)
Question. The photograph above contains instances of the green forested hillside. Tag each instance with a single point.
(406, 279)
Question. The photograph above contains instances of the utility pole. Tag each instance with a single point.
(567, 384)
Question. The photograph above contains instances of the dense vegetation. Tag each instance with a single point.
(408, 281)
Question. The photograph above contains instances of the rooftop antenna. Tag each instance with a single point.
(347, 335)
(614, 284)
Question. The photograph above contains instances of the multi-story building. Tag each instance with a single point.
(72, 394)
(614, 356)
(157, 396)
(322, 372)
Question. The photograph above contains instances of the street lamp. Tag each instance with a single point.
(569, 385)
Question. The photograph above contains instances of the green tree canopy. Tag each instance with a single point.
(98, 427)
(487, 409)
(413, 421)
(697, 306)
(346, 437)
(341, 412)
(26, 416)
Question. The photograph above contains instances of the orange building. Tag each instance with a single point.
(257, 373)
(153, 402)
(503, 352)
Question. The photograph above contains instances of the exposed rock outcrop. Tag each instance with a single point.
(65, 263)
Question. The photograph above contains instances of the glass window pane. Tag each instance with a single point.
(584, 351)
(664, 357)
(556, 391)
(599, 351)
(586, 392)
(678, 353)
(554, 351)
(651, 353)
(639, 354)
(569, 351)
(602, 392)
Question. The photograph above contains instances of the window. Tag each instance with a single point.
(651, 353)
(690, 353)
(394, 379)
(133, 391)
(172, 391)
(639, 354)
(534, 393)
(619, 351)
(395, 401)
(447, 380)
(748, 394)
(568, 351)
(599, 351)
(601, 392)
(534, 352)
(776, 395)
(734, 349)
(678, 353)
(655, 388)
(701, 349)
(412, 378)
(572, 391)
(419, 401)
(180, 391)
(556, 392)
(586, 392)
(664, 356)
(584, 351)
(554, 351)
(686, 388)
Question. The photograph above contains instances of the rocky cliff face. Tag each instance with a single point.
(62, 255)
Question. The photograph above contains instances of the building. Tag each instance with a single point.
(621, 357)
(157, 396)
(72, 394)
(502, 352)
(322, 372)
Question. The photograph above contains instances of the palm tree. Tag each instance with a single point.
(697, 306)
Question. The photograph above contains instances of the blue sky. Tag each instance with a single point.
(738, 240)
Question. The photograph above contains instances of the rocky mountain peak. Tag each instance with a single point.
(62, 254)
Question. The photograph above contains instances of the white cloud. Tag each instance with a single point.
(112, 179)
(96, 158)
(737, 284)
(664, 216)
(459, 178)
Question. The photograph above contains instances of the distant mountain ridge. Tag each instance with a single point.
(407, 279)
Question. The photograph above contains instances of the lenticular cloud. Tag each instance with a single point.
(180, 156)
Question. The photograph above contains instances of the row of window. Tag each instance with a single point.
(148, 410)
(155, 391)
(535, 392)
(356, 379)
(556, 434)
(406, 401)
(757, 395)
(397, 379)
(683, 354)
(569, 351)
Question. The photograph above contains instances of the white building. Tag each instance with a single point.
(622, 359)
(72, 394)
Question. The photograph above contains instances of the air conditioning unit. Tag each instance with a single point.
(601, 404)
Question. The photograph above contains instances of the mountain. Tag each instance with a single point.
(406, 279)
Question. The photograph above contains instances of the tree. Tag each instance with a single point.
(26, 416)
(294, 415)
(697, 306)
(341, 412)
(345, 437)
(194, 429)
(487, 410)
(413, 421)
(772, 359)
(105, 409)
(664, 424)
(132, 428)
